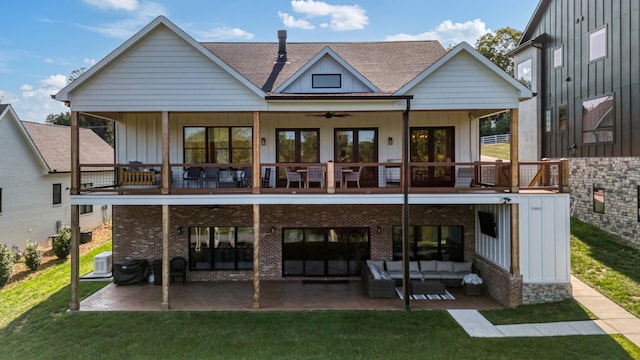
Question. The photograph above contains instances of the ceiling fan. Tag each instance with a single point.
(329, 115)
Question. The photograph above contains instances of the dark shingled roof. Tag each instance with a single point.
(54, 143)
(3, 107)
(387, 65)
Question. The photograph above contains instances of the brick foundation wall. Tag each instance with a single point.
(620, 177)
(545, 293)
(501, 285)
(137, 230)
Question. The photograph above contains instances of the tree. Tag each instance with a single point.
(496, 47)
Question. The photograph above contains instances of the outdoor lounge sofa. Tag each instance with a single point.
(376, 287)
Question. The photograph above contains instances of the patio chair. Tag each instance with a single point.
(178, 268)
(247, 174)
(192, 174)
(338, 176)
(464, 178)
(353, 177)
(315, 174)
(293, 176)
(210, 177)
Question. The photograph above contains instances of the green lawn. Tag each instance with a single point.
(35, 325)
(498, 151)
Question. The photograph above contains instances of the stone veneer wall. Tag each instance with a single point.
(545, 293)
(137, 230)
(620, 177)
(500, 284)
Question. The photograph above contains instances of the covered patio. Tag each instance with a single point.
(274, 295)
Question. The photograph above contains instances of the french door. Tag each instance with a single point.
(358, 145)
(432, 144)
(296, 146)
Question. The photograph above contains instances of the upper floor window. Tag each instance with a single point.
(220, 145)
(557, 57)
(562, 118)
(524, 72)
(597, 120)
(326, 81)
(598, 44)
(86, 209)
(0, 200)
(57, 194)
(547, 120)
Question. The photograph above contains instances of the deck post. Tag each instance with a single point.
(331, 177)
(405, 208)
(165, 171)
(515, 239)
(256, 256)
(257, 172)
(515, 165)
(74, 304)
(564, 176)
(165, 257)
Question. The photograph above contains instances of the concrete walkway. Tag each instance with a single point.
(612, 319)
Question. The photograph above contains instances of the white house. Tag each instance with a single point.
(35, 179)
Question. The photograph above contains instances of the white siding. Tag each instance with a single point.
(544, 238)
(463, 83)
(327, 65)
(498, 250)
(164, 72)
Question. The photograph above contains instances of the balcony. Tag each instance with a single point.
(323, 178)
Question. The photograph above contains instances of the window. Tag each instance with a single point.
(324, 251)
(524, 73)
(220, 248)
(562, 118)
(430, 243)
(296, 146)
(0, 200)
(57, 194)
(598, 44)
(597, 120)
(220, 145)
(86, 209)
(355, 146)
(557, 57)
(598, 200)
(432, 144)
(547, 120)
(326, 81)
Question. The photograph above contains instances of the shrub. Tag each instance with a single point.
(62, 242)
(32, 256)
(6, 264)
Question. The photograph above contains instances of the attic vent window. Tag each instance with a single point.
(326, 81)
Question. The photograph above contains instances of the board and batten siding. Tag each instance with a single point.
(463, 83)
(164, 73)
(327, 65)
(497, 250)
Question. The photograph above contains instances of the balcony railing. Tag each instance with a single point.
(288, 178)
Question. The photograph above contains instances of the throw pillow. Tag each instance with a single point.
(394, 265)
(462, 266)
(374, 272)
(428, 265)
(444, 266)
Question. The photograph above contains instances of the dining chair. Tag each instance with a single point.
(293, 176)
(192, 174)
(338, 176)
(353, 177)
(178, 268)
(210, 176)
(315, 174)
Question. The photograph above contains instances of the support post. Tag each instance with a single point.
(74, 304)
(515, 165)
(331, 177)
(515, 239)
(256, 256)
(564, 176)
(165, 171)
(405, 208)
(165, 257)
(257, 172)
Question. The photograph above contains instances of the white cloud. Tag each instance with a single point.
(26, 87)
(222, 33)
(34, 102)
(89, 62)
(290, 22)
(48, 61)
(449, 33)
(129, 5)
(125, 28)
(341, 17)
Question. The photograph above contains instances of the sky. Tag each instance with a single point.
(42, 42)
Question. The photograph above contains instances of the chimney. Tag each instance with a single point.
(282, 45)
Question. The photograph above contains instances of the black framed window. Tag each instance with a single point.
(220, 248)
(431, 242)
(86, 209)
(598, 200)
(598, 44)
(218, 144)
(523, 72)
(326, 81)
(562, 118)
(548, 114)
(598, 117)
(57, 194)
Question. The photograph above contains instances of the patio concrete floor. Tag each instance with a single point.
(274, 295)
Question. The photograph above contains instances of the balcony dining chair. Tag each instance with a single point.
(266, 178)
(353, 177)
(464, 178)
(210, 177)
(338, 176)
(315, 174)
(293, 176)
(178, 268)
(247, 174)
(192, 174)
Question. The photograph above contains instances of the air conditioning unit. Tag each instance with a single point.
(102, 263)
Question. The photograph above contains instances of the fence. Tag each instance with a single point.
(495, 139)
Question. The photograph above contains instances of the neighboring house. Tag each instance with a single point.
(583, 62)
(281, 161)
(35, 179)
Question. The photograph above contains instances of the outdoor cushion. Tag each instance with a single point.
(444, 266)
(413, 266)
(462, 266)
(379, 264)
(394, 266)
(431, 275)
(428, 265)
(374, 271)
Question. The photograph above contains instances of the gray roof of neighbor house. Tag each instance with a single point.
(386, 64)
(54, 144)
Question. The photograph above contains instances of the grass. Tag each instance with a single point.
(498, 151)
(37, 327)
(607, 263)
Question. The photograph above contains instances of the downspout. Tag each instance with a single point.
(405, 207)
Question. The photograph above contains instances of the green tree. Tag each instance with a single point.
(496, 47)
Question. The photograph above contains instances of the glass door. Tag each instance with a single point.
(432, 144)
(358, 145)
(296, 146)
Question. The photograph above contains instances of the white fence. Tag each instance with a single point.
(495, 139)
